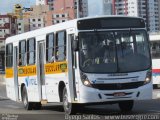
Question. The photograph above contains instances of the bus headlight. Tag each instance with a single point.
(148, 77)
(85, 80)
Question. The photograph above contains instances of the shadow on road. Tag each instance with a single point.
(96, 110)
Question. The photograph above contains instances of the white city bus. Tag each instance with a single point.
(84, 61)
(155, 51)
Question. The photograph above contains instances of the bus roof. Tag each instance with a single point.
(42, 31)
(57, 27)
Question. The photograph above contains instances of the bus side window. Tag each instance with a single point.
(9, 55)
(31, 47)
(50, 48)
(61, 46)
(22, 53)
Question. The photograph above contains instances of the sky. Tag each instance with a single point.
(6, 6)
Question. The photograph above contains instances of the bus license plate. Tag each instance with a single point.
(118, 94)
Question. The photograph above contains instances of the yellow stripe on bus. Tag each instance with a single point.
(9, 72)
(27, 71)
(50, 68)
(57, 67)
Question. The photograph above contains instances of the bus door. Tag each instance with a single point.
(71, 65)
(16, 86)
(40, 69)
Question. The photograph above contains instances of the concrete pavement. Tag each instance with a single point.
(2, 78)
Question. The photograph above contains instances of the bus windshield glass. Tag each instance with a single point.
(114, 51)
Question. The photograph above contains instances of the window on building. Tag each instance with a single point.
(34, 25)
(61, 46)
(9, 55)
(57, 21)
(31, 47)
(33, 20)
(19, 29)
(39, 25)
(63, 15)
(22, 53)
(39, 19)
(57, 16)
(19, 23)
(50, 48)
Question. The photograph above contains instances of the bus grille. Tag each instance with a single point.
(118, 86)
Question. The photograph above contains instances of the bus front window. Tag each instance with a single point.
(116, 51)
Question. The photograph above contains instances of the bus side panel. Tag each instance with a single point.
(156, 71)
(31, 86)
(52, 86)
(10, 84)
(10, 88)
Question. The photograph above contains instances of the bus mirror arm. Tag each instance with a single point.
(75, 45)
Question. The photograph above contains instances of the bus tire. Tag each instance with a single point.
(126, 106)
(27, 105)
(37, 105)
(69, 108)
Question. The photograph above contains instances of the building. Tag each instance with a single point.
(147, 9)
(36, 22)
(7, 28)
(153, 16)
(63, 11)
(54, 17)
(107, 7)
(41, 2)
(22, 16)
(20, 26)
(38, 17)
(83, 8)
(50, 3)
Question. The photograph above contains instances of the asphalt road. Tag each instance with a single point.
(10, 110)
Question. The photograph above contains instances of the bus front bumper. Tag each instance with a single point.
(91, 95)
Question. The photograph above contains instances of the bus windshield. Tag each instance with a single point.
(114, 51)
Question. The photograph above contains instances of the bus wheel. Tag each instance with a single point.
(37, 105)
(69, 108)
(27, 105)
(126, 106)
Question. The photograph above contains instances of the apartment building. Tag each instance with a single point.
(38, 17)
(50, 3)
(147, 9)
(7, 28)
(20, 26)
(41, 2)
(83, 8)
(153, 15)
